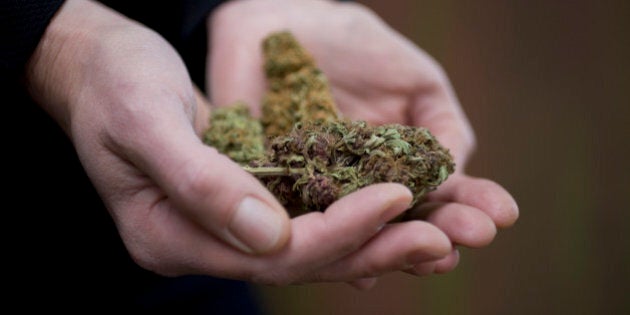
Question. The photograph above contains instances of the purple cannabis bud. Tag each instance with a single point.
(316, 164)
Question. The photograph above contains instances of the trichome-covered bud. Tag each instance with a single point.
(235, 133)
(316, 164)
(298, 91)
(309, 157)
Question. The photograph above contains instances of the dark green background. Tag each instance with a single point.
(546, 85)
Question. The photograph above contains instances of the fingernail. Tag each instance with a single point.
(256, 226)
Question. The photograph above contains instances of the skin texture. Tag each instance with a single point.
(124, 98)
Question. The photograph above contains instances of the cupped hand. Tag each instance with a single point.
(124, 98)
(376, 75)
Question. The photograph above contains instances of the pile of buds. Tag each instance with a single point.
(306, 154)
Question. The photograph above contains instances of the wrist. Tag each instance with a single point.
(53, 73)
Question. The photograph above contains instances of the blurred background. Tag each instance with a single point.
(546, 86)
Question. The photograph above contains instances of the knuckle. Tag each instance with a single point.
(350, 245)
(193, 179)
(373, 269)
(147, 259)
(196, 178)
(145, 248)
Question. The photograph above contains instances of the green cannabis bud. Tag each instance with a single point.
(316, 164)
(305, 153)
(298, 90)
(235, 133)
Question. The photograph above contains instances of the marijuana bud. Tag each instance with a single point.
(235, 133)
(318, 163)
(298, 90)
(305, 153)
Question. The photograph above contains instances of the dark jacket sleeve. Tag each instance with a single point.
(22, 24)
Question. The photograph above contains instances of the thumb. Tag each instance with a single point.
(229, 202)
(214, 191)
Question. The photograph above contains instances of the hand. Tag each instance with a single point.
(124, 98)
(378, 76)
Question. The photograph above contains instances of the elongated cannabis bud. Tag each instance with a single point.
(234, 132)
(298, 90)
(316, 164)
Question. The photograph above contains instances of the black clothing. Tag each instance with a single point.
(62, 250)
(22, 24)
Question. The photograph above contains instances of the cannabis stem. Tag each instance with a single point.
(273, 171)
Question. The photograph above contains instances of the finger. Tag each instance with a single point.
(397, 247)
(422, 269)
(447, 263)
(440, 266)
(348, 223)
(436, 108)
(364, 284)
(479, 193)
(317, 239)
(463, 224)
(211, 189)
